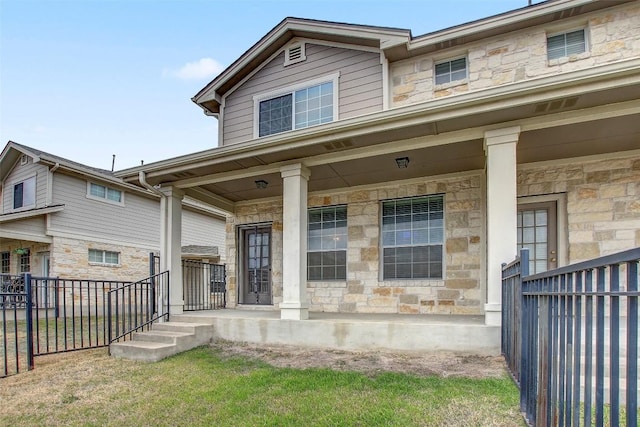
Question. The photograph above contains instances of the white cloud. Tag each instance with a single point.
(196, 70)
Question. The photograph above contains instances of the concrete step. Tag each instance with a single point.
(163, 340)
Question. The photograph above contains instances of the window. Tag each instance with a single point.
(327, 243)
(412, 238)
(566, 44)
(298, 107)
(104, 257)
(450, 71)
(100, 192)
(5, 262)
(24, 262)
(24, 193)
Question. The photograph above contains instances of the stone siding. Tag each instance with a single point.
(603, 202)
(70, 259)
(612, 35)
(363, 291)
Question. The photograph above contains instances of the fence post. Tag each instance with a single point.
(29, 318)
(109, 320)
(522, 333)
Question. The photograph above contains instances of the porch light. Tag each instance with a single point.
(402, 162)
(261, 184)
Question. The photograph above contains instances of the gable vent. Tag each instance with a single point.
(24, 159)
(558, 104)
(294, 53)
(337, 145)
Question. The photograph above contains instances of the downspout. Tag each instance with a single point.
(160, 296)
(49, 200)
(142, 177)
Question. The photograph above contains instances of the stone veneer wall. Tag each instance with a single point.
(70, 259)
(612, 35)
(35, 250)
(363, 292)
(603, 202)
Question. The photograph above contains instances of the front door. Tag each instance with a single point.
(537, 231)
(256, 265)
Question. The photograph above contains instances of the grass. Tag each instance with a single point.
(207, 387)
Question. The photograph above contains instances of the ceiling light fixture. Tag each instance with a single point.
(402, 162)
(261, 184)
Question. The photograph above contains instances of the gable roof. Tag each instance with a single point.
(395, 43)
(12, 152)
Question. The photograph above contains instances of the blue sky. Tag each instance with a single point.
(86, 79)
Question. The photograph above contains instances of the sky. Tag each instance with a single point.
(89, 79)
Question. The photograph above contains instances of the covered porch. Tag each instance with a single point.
(479, 137)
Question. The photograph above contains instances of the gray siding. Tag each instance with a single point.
(135, 222)
(360, 86)
(20, 173)
(200, 229)
(27, 227)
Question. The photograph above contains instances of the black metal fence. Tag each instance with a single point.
(43, 315)
(570, 338)
(135, 306)
(204, 286)
(16, 341)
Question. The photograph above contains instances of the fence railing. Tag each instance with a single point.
(135, 306)
(45, 315)
(16, 340)
(574, 348)
(204, 286)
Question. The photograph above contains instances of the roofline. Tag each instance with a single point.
(388, 37)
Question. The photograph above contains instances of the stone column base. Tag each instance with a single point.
(293, 311)
(493, 314)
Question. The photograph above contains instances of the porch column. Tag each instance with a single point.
(500, 149)
(171, 245)
(294, 242)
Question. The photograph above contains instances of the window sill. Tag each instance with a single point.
(455, 83)
(100, 264)
(406, 283)
(338, 283)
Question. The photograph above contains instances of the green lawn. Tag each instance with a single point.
(207, 387)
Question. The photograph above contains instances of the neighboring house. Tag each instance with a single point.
(370, 171)
(60, 218)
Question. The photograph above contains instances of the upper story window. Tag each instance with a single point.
(451, 71)
(5, 262)
(103, 193)
(24, 193)
(327, 243)
(98, 256)
(297, 107)
(412, 238)
(566, 44)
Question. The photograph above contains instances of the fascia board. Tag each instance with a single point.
(495, 21)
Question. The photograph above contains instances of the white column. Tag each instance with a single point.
(294, 242)
(171, 245)
(500, 149)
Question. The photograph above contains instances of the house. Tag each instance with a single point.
(59, 218)
(366, 170)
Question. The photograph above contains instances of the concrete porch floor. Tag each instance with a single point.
(346, 331)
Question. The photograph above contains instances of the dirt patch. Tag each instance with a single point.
(443, 364)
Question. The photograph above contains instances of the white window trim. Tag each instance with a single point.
(35, 194)
(587, 44)
(413, 281)
(452, 82)
(334, 78)
(103, 263)
(104, 199)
